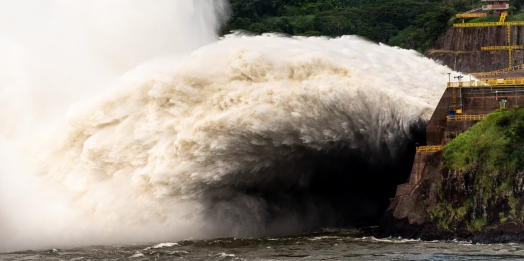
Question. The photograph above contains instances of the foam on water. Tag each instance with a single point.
(185, 147)
(56, 53)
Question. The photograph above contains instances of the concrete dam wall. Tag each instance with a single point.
(460, 48)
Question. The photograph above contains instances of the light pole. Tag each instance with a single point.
(449, 77)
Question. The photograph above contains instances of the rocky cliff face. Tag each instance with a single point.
(472, 190)
(409, 214)
(460, 48)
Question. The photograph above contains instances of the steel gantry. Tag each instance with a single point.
(508, 47)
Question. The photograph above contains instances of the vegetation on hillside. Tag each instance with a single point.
(410, 24)
(483, 177)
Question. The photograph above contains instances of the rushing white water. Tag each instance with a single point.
(175, 147)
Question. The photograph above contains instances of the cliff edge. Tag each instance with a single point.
(472, 190)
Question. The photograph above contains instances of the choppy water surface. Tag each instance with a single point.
(332, 245)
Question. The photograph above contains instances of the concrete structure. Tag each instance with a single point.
(460, 108)
(475, 47)
(488, 5)
(416, 171)
(461, 49)
(472, 101)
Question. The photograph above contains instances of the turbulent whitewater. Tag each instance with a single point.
(232, 139)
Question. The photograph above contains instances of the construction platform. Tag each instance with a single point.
(501, 22)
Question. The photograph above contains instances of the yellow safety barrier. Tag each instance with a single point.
(508, 33)
(466, 84)
(518, 79)
(488, 83)
(497, 72)
(467, 117)
(501, 48)
(473, 15)
(487, 24)
(518, 23)
(504, 82)
(429, 148)
(501, 22)
(510, 53)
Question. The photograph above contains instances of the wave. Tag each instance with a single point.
(239, 127)
(246, 136)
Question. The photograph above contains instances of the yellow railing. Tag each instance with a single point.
(473, 15)
(508, 47)
(492, 80)
(488, 82)
(519, 23)
(479, 24)
(429, 148)
(466, 117)
(504, 82)
(501, 48)
(497, 72)
(466, 84)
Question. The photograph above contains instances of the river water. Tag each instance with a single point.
(323, 245)
(238, 136)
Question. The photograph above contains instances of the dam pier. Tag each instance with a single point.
(462, 105)
(493, 53)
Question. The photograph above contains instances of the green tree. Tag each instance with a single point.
(405, 23)
(512, 9)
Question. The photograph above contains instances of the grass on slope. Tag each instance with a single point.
(481, 166)
(496, 142)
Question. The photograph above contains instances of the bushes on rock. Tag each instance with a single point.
(483, 174)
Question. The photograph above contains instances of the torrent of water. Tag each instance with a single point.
(244, 136)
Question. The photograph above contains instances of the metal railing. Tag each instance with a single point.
(501, 48)
(429, 148)
(504, 82)
(466, 84)
(487, 83)
(487, 24)
(473, 15)
(497, 72)
(492, 80)
(466, 117)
